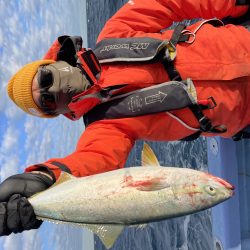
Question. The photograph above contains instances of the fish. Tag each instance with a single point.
(106, 203)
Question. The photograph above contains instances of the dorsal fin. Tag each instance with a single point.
(148, 158)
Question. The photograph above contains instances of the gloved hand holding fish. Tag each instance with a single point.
(133, 196)
(16, 213)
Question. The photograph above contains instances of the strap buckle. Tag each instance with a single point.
(209, 103)
(212, 103)
(205, 124)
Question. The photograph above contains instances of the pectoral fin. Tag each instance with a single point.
(146, 184)
(154, 184)
(148, 158)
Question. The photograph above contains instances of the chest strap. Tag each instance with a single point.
(173, 73)
(240, 21)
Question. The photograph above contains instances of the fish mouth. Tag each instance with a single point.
(226, 184)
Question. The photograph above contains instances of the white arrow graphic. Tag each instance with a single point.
(155, 98)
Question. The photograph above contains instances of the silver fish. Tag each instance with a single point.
(106, 203)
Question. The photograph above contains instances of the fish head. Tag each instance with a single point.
(205, 191)
(217, 189)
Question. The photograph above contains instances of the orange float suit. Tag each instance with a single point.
(218, 62)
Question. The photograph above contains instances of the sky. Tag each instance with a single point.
(27, 29)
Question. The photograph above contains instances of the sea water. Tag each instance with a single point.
(189, 232)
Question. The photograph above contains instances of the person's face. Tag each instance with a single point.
(61, 107)
(55, 85)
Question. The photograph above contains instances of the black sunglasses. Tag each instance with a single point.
(45, 81)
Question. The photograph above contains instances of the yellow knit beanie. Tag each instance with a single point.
(20, 88)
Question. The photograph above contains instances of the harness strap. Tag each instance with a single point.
(167, 61)
(242, 2)
(241, 21)
(177, 34)
(243, 134)
(205, 124)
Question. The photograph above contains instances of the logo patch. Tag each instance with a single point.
(66, 69)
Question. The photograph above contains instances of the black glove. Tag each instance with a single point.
(16, 213)
(70, 46)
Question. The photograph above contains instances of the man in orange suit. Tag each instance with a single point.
(141, 82)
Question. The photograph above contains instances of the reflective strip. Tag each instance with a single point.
(182, 122)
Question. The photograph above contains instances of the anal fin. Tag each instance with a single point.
(107, 233)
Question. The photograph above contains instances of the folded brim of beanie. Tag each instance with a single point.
(19, 88)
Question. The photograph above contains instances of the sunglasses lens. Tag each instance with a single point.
(44, 77)
(47, 102)
(45, 81)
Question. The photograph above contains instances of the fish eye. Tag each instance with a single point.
(211, 190)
